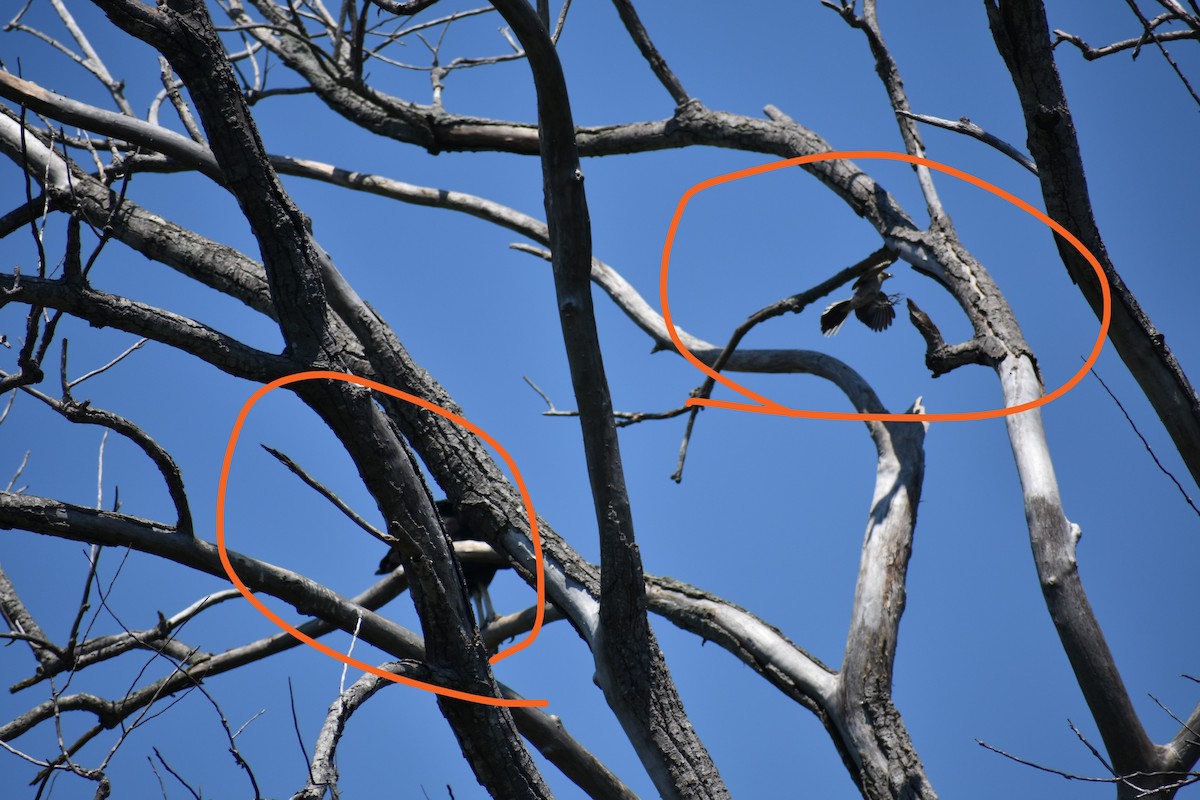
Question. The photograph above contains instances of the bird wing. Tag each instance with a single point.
(877, 315)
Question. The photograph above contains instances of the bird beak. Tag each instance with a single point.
(885, 276)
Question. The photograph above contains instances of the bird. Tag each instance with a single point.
(868, 303)
(476, 576)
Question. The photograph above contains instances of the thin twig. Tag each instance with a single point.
(1090, 53)
(238, 758)
(100, 471)
(175, 774)
(1091, 747)
(1171, 714)
(296, 727)
(8, 406)
(1133, 426)
(1162, 49)
(16, 475)
(532, 385)
(641, 38)
(171, 86)
(623, 418)
(1068, 775)
(84, 601)
(677, 475)
(92, 63)
(328, 494)
(349, 653)
(562, 20)
(135, 346)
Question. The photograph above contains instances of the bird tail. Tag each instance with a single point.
(833, 317)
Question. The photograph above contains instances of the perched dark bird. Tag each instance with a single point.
(477, 576)
(868, 303)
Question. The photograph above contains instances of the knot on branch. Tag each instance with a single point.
(686, 113)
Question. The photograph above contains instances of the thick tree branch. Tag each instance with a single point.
(887, 763)
(297, 272)
(848, 181)
(447, 451)
(1023, 39)
(630, 667)
(459, 462)
(120, 126)
(68, 521)
(1022, 36)
(114, 311)
(63, 520)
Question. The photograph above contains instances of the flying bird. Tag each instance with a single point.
(476, 576)
(868, 303)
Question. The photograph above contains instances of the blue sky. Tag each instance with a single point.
(771, 512)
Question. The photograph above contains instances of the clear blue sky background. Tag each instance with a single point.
(771, 512)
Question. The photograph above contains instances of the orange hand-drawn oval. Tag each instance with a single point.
(540, 573)
(763, 405)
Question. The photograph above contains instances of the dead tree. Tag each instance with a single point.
(214, 72)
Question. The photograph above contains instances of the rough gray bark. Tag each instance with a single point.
(1023, 39)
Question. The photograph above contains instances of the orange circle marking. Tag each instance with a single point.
(539, 569)
(763, 405)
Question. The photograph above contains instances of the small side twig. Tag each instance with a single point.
(965, 126)
(328, 494)
(84, 601)
(623, 418)
(1154, 456)
(175, 774)
(1152, 36)
(562, 20)
(1068, 775)
(171, 86)
(296, 728)
(17, 475)
(1172, 715)
(1095, 753)
(1090, 53)
(135, 346)
(637, 32)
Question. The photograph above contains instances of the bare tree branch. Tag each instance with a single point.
(324, 323)
(889, 74)
(1022, 37)
(1093, 53)
(190, 336)
(83, 412)
(964, 125)
(629, 665)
